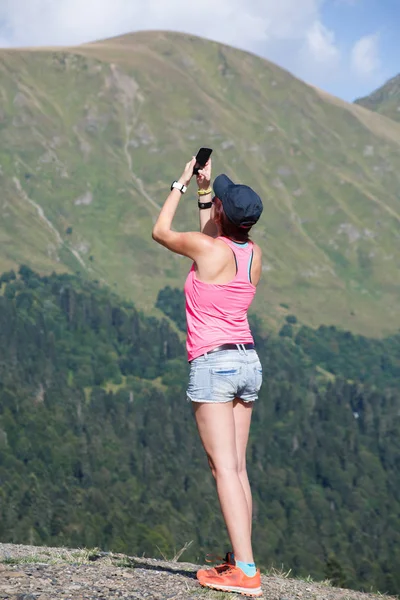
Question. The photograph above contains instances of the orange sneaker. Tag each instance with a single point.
(232, 580)
(228, 562)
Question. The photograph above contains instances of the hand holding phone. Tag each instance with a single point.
(202, 158)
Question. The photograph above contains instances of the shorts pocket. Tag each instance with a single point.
(225, 381)
(225, 372)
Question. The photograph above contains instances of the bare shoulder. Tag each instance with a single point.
(257, 251)
(213, 246)
(190, 243)
(203, 241)
(215, 249)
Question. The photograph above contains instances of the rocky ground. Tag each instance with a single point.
(31, 573)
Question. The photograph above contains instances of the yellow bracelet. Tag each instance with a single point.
(204, 192)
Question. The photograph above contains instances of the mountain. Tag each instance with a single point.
(98, 446)
(92, 136)
(385, 100)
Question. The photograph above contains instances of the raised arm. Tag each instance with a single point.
(207, 226)
(191, 244)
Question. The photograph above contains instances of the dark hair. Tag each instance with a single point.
(228, 229)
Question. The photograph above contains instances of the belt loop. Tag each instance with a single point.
(244, 349)
(238, 346)
(206, 355)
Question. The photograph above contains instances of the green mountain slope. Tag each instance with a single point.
(385, 100)
(92, 136)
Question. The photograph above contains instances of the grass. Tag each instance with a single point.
(385, 100)
(56, 556)
(124, 563)
(118, 121)
(277, 572)
(177, 555)
(23, 560)
(283, 573)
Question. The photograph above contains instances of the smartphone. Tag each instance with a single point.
(201, 159)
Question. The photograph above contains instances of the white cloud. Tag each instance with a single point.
(281, 30)
(240, 22)
(365, 59)
(321, 44)
(289, 32)
(62, 22)
(286, 19)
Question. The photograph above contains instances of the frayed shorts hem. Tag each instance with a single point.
(202, 401)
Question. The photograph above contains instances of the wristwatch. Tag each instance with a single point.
(179, 186)
(203, 205)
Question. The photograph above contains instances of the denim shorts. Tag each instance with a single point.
(224, 376)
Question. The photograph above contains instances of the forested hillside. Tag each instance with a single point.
(98, 445)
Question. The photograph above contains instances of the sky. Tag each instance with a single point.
(346, 47)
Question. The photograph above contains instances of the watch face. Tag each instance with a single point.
(179, 186)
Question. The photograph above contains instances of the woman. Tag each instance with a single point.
(225, 374)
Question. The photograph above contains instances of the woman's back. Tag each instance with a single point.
(218, 264)
(219, 290)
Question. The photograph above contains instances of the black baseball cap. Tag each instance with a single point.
(242, 205)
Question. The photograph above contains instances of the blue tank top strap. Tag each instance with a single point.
(250, 265)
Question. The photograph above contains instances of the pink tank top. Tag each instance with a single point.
(216, 314)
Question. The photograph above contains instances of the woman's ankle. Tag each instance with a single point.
(246, 558)
(248, 568)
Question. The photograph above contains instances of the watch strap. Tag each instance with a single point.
(204, 205)
(178, 186)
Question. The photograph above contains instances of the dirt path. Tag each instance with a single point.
(31, 573)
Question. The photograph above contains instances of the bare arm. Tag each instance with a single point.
(191, 244)
(207, 226)
(164, 222)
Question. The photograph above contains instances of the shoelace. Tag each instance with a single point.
(228, 570)
(214, 558)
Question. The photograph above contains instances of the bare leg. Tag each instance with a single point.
(242, 412)
(216, 425)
